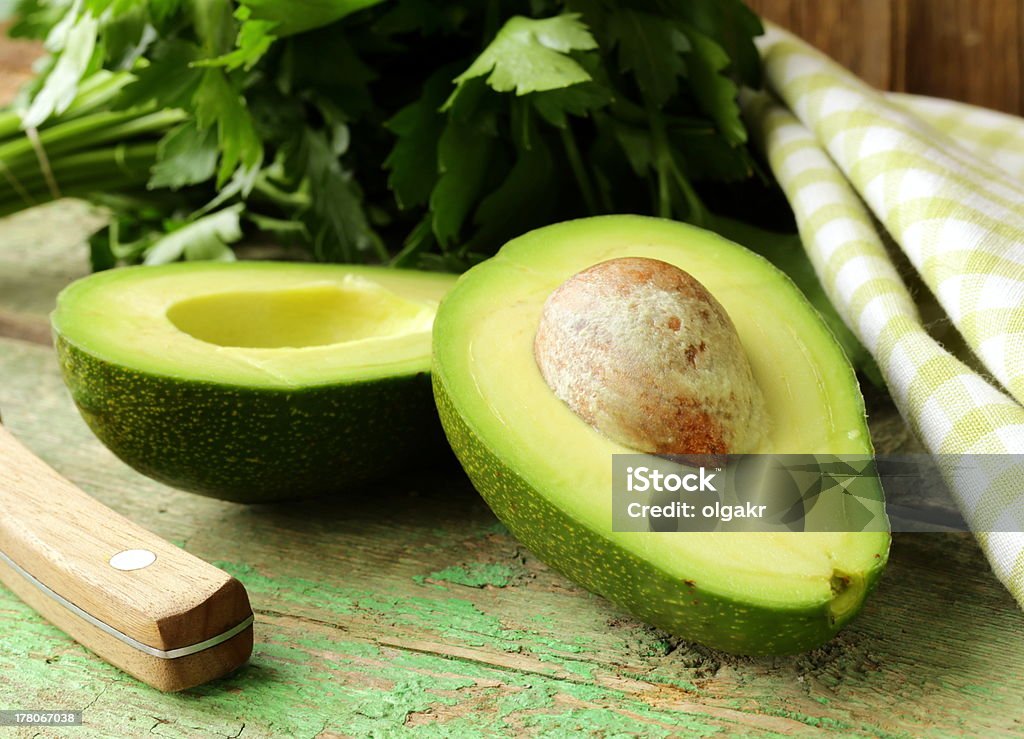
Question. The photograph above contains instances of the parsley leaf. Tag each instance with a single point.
(163, 11)
(733, 26)
(464, 154)
(413, 160)
(218, 103)
(295, 16)
(527, 195)
(648, 47)
(531, 55)
(167, 79)
(578, 100)
(334, 214)
(463, 159)
(77, 44)
(715, 93)
(254, 39)
(439, 127)
(204, 238)
(185, 156)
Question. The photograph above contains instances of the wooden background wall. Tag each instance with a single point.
(970, 50)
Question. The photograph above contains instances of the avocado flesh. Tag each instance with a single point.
(547, 474)
(254, 381)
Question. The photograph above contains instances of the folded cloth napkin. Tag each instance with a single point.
(993, 137)
(960, 221)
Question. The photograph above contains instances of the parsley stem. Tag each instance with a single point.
(118, 167)
(284, 198)
(579, 170)
(664, 194)
(79, 133)
(669, 172)
(88, 186)
(697, 211)
(662, 160)
(95, 91)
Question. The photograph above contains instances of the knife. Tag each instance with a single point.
(142, 604)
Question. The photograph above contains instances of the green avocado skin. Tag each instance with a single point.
(685, 609)
(254, 445)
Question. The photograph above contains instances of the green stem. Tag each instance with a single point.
(628, 111)
(120, 127)
(69, 185)
(95, 92)
(126, 158)
(125, 161)
(698, 212)
(278, 196)
(92, 185)
(21, 161)
(579, 170)
(72, 130)
(669, 172)
(154, 123)
(659, 140)
(10, 124)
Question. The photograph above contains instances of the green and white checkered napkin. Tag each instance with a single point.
(926, 169)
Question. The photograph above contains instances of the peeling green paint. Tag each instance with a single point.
(291, 687)
(660, 679)
(835, 727)
(303, 686)
(583, 669)
(302, 683)
(474, 575)
(451, 617)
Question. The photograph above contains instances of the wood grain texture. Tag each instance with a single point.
(969, 50)
(407, 607)
(856, 33)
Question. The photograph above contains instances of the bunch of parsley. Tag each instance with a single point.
(422, 133)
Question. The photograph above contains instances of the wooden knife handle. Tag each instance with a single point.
(142, 604)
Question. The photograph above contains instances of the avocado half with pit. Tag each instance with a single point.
(547, 474)
(254, 381)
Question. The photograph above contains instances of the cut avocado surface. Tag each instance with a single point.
(254, 381)
(548, 475)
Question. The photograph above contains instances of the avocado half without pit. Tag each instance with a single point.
(579, 341)
(255, 381)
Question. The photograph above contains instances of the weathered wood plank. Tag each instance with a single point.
(426, 614)
(429, 616)
(369, 619)
(41, 251)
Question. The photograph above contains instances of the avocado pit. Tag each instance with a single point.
(644, 353)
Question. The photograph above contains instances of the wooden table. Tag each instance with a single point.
(413, 608)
